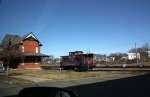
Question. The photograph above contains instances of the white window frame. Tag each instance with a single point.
(36, 50)
(22, 49)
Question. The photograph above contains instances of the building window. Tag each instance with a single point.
(22, 48)
(36, 51)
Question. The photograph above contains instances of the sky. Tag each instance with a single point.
(95, 26)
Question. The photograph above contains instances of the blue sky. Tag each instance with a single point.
(98, 26)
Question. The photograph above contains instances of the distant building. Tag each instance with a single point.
(149, 54)
(99, 57)
(133, 56)
(111, 59)
(124, 56)
(28, 46)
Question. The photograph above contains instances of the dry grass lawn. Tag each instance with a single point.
(56, 74)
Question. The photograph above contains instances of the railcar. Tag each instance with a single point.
(78, 61)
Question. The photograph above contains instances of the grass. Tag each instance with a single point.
(54, 74)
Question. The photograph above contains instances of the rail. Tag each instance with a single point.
(104, 68)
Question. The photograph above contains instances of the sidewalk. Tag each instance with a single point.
(34, 79)
(7, 88)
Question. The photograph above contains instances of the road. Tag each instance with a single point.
(138, 86)
(7, 89)
(108, 86)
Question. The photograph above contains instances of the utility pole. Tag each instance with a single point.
(147, 52)
(136, 54)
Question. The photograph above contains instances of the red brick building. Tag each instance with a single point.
(28, 47)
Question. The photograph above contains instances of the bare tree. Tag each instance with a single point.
(144, 55)
(118, 58)
(48, 60)
(9, 55)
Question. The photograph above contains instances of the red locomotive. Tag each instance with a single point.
(78, 61)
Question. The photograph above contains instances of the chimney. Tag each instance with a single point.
(10, 43)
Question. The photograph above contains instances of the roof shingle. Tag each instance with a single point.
(15, 39)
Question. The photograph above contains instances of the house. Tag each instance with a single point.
(99, 57)
(133, 56)
(28, 47)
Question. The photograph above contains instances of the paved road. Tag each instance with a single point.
(83, 87)
(138, 86)
(7, 89)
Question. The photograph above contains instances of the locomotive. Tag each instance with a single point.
(78, 61)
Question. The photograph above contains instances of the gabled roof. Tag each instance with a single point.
(16, 39)
(27, 36)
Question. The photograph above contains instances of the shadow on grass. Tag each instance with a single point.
(138, 86)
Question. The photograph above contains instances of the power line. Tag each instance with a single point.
(126, 44)
(120, 47)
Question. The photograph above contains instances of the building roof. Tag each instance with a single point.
(16, 39)
(132, 53)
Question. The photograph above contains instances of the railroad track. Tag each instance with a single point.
(121, 69)
(103, 68)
